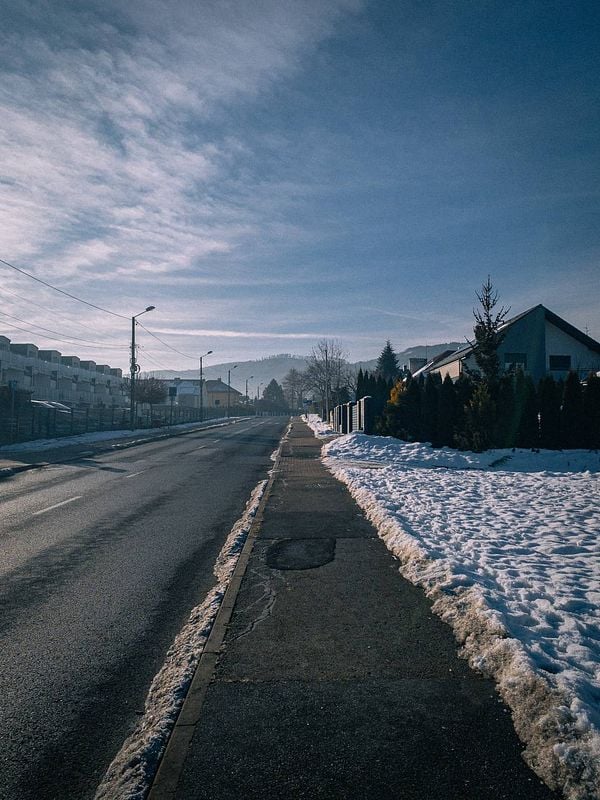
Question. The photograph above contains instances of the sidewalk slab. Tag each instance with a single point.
(335, 679)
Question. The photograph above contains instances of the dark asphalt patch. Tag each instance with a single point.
(300, 553)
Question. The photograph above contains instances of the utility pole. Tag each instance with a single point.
(247, 379)
(202, 385)
(229, 389)
(326, 383)
(134, 368)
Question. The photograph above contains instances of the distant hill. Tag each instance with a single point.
(257, 372)
(265, 369)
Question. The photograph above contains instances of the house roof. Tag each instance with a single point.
(434, 362)
(550, 316)
(218, 386)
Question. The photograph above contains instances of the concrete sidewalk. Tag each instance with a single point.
(335, 680)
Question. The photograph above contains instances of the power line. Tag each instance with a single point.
(154, 361)
(71, 340)
(4, 290)
(61, 291)
(186, 355)
(54, 339)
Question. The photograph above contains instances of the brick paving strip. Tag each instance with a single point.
(335, 680)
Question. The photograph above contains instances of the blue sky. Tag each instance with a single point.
(271, 173)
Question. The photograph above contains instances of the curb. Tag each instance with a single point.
(7, 472)
(172, 762)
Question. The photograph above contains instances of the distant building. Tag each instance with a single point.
(538, 341)
(216, 394)
(48, 375)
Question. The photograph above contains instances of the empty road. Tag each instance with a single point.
(101, 560)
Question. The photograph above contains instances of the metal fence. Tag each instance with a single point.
(28, 423)
(356, 416)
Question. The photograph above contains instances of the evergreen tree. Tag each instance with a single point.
(273, 398)
(387, 363)
(464, 388)
(429, 409)
(488, 334)
(591, 412)
(507, 419)
(527, 410)
(571, 422)
(447, 402)
(549, 397)
(360, 384)
(480, 419)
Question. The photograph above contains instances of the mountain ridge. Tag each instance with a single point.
(261, 371)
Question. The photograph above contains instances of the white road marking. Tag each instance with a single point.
(133, 474)
(57, 505)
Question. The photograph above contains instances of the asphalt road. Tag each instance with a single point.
(101, 560)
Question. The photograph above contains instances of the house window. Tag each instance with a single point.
(217, 402)
(515, 361)
(560, 362)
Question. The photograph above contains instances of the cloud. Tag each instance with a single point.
(108, 169)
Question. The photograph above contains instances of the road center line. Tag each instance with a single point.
(57, 505)
(133, 474)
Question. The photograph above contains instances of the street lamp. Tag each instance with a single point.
(229, 388)
(201, 392)
(247, 379)
(134, 368)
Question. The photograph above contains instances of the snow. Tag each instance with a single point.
(103, 436)
(132, 770)
(506, 544)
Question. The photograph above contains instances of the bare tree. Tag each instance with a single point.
(328, 373)
(294, 384)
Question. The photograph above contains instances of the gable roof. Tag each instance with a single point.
(218, 387)
(549, 316)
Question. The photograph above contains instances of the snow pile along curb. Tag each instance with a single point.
(509, 560)
(132, 770)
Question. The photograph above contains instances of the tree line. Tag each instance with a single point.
(515, 413)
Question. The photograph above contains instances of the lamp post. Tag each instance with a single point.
(247, 379)
(229, 388)
(201, 392)
(133, 368)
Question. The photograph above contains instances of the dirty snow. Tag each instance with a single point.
(507, 545)
(132, 770)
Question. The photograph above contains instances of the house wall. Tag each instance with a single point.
(526, 336)
(559, 343)
(454, 369)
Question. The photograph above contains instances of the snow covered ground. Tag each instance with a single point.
(507, 545)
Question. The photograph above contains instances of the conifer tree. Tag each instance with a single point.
(387, 363)
(549, 398)
(447, 402)
(488, 334)
(360, 380)
(507, 419)
(571, 423)
(480, 419)
(591, 412)
(429, 409)
(527, 410)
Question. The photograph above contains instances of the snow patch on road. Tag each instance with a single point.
(131, 772)
(507, 545)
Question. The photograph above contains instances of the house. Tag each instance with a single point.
(216, 394)
(537, 341)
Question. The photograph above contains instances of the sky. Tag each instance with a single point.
(272, 173)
